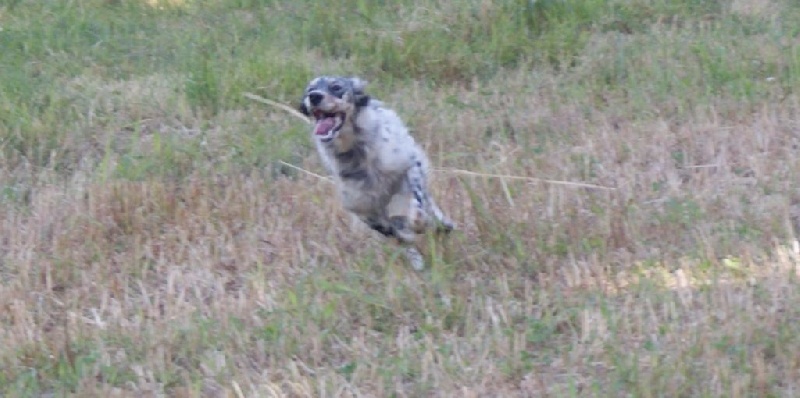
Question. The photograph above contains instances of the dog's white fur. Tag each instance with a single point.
(380, 171)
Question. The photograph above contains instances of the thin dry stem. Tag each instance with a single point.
(523, 178)
(288, 109)
(311, 173)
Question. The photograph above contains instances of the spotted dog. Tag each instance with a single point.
(380, 171)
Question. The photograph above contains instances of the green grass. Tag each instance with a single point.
(216, 50)
(155, 241)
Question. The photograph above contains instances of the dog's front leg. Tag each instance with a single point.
(414, 257)
(397, 227)
(406, 237)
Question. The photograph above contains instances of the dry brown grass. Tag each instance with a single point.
(201, 276)
(203, 285)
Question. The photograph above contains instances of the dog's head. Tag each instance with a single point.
(331, 101)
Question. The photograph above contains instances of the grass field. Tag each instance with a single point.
(163, 235)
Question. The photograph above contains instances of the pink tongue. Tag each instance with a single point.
(324, 126)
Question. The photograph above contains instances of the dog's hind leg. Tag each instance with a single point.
(424, 203)
(444, 223)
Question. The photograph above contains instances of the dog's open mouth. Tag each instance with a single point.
(328, 124)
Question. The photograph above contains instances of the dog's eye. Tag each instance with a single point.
(336, 87)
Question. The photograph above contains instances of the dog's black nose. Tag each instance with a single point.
(315, 98)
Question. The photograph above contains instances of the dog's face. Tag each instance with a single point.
(331, 101)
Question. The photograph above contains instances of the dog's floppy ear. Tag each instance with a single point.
(358, 83)
(360, 98)
(303, 109)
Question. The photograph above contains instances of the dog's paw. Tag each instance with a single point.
(417, 221)
(445, 226)
(415, 258)
(402, 230)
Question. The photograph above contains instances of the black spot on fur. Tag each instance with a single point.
(398, 223)
(354, 174)
(382, 229)
(418, 191)
(362, 100)
(351, 164)
(355, 154)
(302, 108)
(420, 198)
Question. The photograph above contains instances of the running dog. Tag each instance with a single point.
(380, 171)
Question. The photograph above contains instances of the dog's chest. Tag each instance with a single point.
(365, 183)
